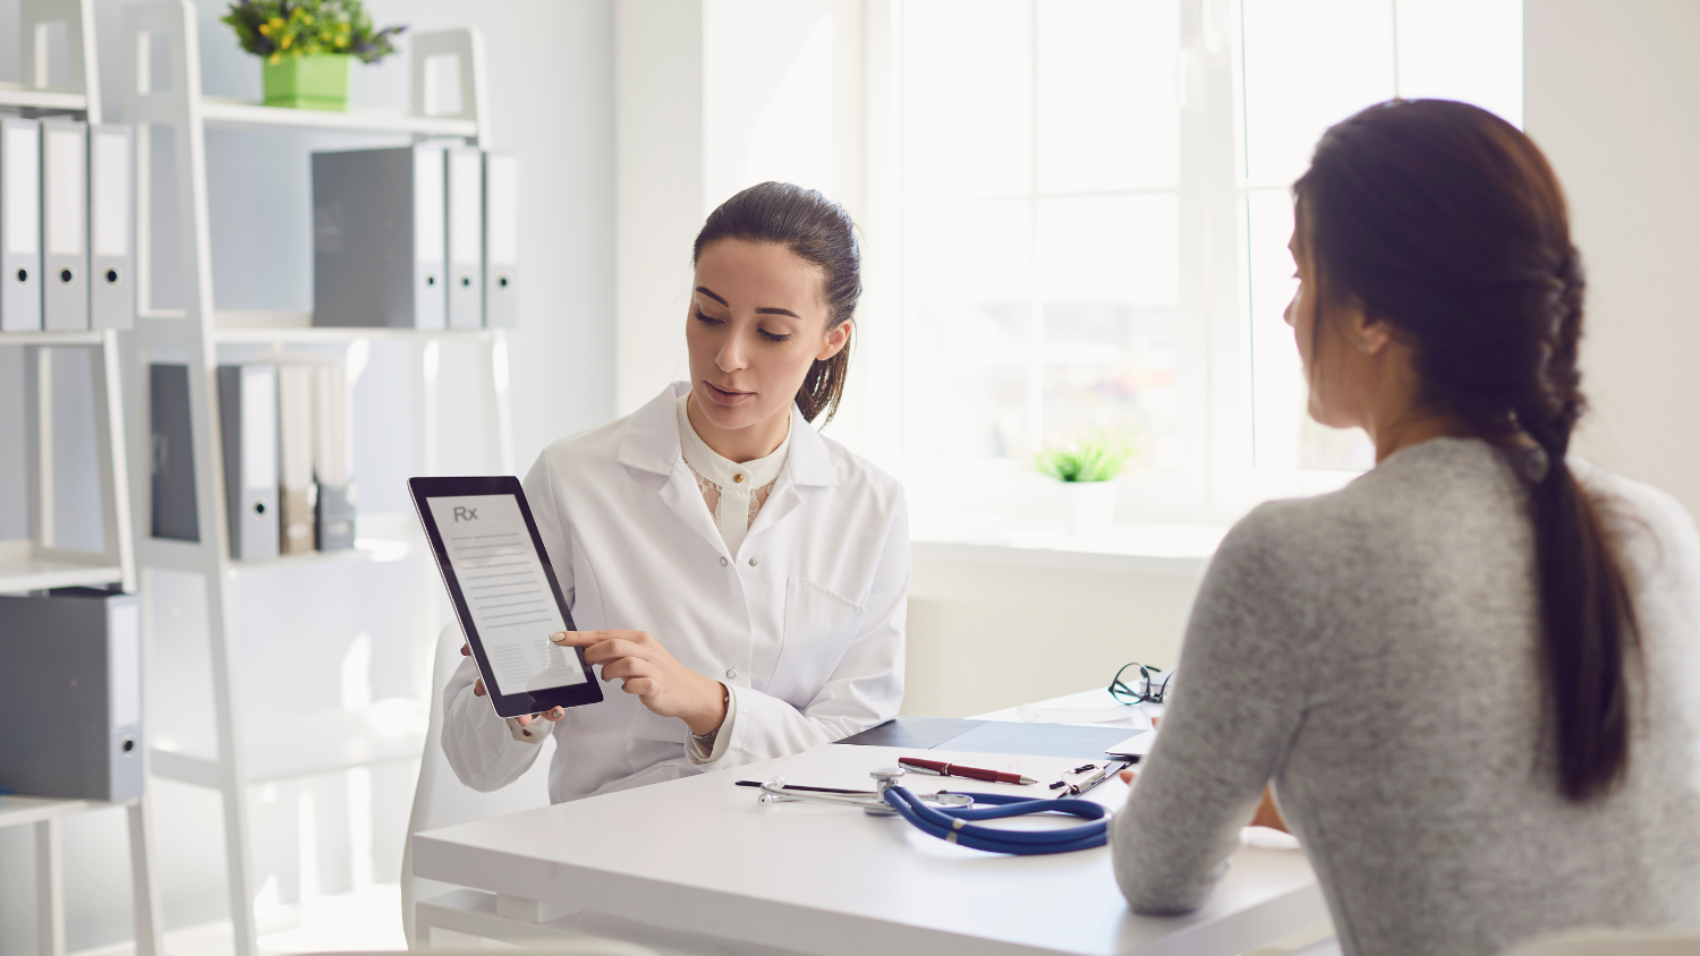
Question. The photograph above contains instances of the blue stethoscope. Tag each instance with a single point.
(950, 816)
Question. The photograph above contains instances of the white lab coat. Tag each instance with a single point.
(804, 625)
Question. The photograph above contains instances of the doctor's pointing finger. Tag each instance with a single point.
(648, 672)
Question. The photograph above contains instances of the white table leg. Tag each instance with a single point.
(49, 891)
(150, 922)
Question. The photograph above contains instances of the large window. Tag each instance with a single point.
(1040, 163)
(1093, 198)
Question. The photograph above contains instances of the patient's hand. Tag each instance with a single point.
(1268, 814)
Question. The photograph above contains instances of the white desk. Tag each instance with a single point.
(701, 860)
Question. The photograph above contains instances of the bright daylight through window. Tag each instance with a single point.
(1043, 209)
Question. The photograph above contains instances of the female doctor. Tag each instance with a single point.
(744, 578)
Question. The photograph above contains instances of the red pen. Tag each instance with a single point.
(942, 769)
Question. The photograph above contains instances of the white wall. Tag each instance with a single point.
(713, 96)
(1612, 94)
(659, 181)
(551, 79)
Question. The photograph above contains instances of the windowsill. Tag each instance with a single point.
(1144, 548)
(996, 561)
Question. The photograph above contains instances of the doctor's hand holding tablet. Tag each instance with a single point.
(743, 577)
(646, 669)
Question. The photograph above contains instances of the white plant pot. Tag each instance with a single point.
(1091, 506)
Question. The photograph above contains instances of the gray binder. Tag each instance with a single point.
(71, 695)
(333, 459)
(465, 184)
(20, 225)
(112, 287)
(247, 400)
(297, 495)
(501, 239)
(64, 225)
(378, 241)
(172, 454)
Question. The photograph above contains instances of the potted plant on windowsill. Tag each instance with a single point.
(1087, 467)
(306, 46)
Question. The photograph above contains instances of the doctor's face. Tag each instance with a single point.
(757, 322)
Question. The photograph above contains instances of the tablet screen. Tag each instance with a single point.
(507, 594)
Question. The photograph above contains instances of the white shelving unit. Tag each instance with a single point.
(193, 336)
(39, 563)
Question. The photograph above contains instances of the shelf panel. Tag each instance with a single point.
(51, 338)
(17, 811)
(340, 336)
(305, 746)
(23, 570)
(372, 550)
(14, 94)
(223, 111)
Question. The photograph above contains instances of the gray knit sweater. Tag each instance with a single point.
(1376, 654)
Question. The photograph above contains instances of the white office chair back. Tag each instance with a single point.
(1613, 943)
(571, 947)
(441, 800)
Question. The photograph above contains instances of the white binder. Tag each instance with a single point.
(20, 225)
(430, 232)
(333, 459)
(501, 239)
(466, 237)
(112, 286)
(247, 399)
(64, 225)
(297, 494)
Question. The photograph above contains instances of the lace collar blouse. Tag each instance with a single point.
(733, 491)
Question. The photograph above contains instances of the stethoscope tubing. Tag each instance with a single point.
(952, 825)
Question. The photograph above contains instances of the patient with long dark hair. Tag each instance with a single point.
(1472, 676)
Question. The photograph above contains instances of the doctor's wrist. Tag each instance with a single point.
(710, 712)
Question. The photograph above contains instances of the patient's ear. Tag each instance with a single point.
(1368, 335)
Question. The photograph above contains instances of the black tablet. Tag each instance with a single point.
(504, 592)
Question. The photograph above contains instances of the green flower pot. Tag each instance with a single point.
(316, 82)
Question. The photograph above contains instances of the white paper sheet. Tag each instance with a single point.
(1133, 716)
(1136, 746)
(506, 591)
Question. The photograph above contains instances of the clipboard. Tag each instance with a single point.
(504, 592)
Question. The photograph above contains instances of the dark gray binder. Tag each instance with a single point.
(465, 191)
(64, 225)
(71, 695)
(247, 400)
(20, 225)
(172, 459)
(501, 239)
(378, 239)
(112, 286)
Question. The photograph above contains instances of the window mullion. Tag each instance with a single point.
(1035, 300)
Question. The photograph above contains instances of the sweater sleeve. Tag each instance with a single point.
(1237, 702)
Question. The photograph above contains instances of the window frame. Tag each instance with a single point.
(1217, 479)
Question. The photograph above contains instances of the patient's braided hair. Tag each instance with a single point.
(1447, 222)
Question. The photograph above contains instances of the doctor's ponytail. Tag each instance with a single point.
(819, 231)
